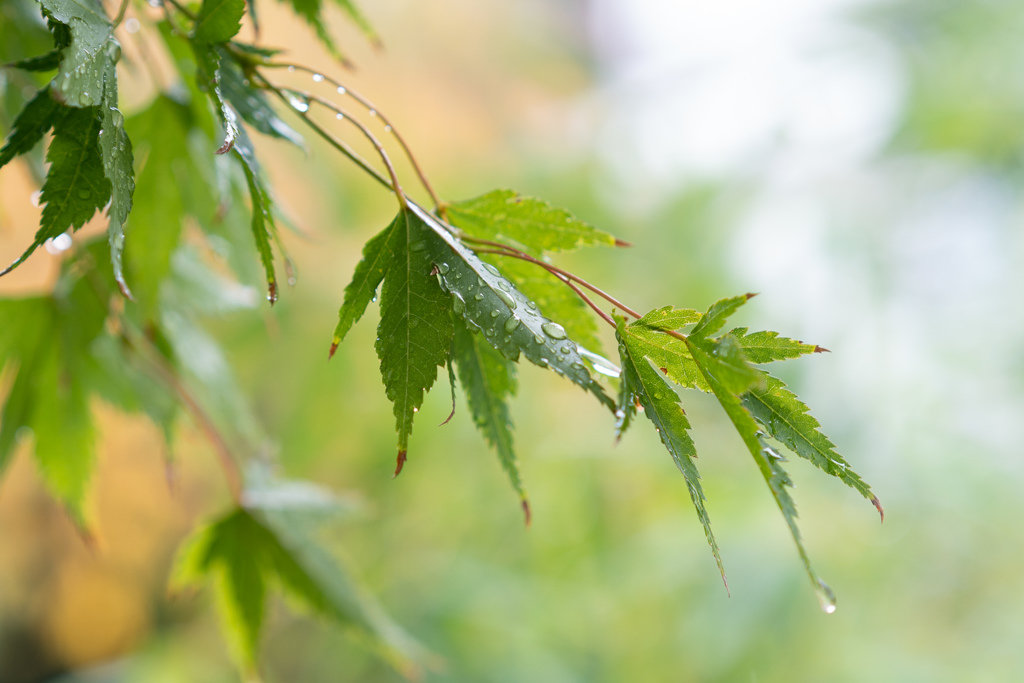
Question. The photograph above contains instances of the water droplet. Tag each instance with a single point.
(113, 50)
(387, 128)
(117, 117)
(479, 296)
(85, 99)
(58, 244)
(291, 69)
(415, 410)
(553, 330)
(826, 598)
(34, 198)
(491, 269)
(490, 332)
(84, 193)
(341, 90)
(300, 105)
(339, 116)
(444, 268)
(511, 324)
(373, 112)
(458, 304)
(539, 339)
(419, 245)
(565, 348)
(532, 306)
(504, 285)
(65, 82)
(506, 299)
(318, 78)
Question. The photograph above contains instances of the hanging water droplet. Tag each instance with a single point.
(506, 299)
(291, 69)
(565, 348)
(495, 313)
(539, 339)
(479, 296)
(117, 117)
(58, 244)
(85, 99)
(373, 112)
(458, 304)
(339, 116)
(511, 324)
(341, 90)
(491, 269)
(553, 330)
(504, 285)
(444, 268)
(826, 598)
(419, 245)
(318, 78)
(113, 50)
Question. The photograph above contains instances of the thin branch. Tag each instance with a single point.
(374, 111)
(567, 281)
(515, 253)
(120, 13)
(201, 418)
(310, 97)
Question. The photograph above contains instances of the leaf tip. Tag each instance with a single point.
(622, 243)
(878, 506)
(751, 295)
(272, 292)
(226, 147)
(820, 349)
(334, 347)
(527, 514)
(400, 463)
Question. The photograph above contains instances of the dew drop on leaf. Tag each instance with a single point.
(491, 269)
(458, 304)
(479, 296)
(511, 324)
(553, 330)
(506, 299)
(495, 313)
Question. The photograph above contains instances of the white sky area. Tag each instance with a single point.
(909, 268)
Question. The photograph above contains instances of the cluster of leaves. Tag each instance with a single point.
(469, 286)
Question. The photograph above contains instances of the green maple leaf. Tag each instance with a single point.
(642, 382)
(370, 271)
(489, 381)
(267, 544)
(118, 166)
(511, 322)
(669, 318)
(312, 12)
(768, 461)
(530, 223)
(251, 102)
(415, 331)
(75, 186)
(218, 20)
(30, 125)
(84, 63)
(767, 346)
(787, 419)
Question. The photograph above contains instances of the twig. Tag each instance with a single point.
(515, 253)
(202, 419)
(310, 97)
(374, 111)
(120, 13)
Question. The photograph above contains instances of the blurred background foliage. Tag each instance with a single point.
(858, 163)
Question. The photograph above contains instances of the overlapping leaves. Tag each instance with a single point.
(269, 543)
(653, 351)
